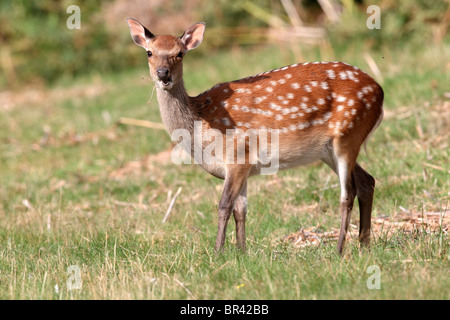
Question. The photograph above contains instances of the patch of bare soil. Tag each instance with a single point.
(138, 167)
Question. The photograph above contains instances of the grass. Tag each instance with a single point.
(77, 189)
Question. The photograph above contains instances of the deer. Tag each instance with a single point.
(322, 110)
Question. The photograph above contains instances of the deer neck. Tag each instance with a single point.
(175, 108)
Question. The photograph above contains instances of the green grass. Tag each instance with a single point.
(86, 196)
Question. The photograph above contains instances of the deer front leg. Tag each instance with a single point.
(235, 181)
(240, 213)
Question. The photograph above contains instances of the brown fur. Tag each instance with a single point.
(323, 111)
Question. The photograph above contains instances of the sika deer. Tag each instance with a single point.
(322, 110)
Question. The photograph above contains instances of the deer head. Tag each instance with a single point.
(165, 52)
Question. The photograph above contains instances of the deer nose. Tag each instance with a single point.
(162, 73)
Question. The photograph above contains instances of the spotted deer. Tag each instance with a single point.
(322, 110)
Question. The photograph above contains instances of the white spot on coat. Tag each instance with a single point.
(331, 74)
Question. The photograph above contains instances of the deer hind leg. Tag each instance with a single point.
(365, 187)
(341, 157)
(235, 181)
(342, 160)
(240, 213)
(348, 193)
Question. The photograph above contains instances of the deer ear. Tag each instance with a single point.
(141, 36)
(193, 36)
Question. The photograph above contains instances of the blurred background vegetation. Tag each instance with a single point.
(37, 48)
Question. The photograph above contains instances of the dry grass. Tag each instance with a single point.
(386, 227)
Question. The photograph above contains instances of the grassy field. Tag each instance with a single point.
(76, 189)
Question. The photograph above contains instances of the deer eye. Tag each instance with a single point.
(180, 54)
(149, 54)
